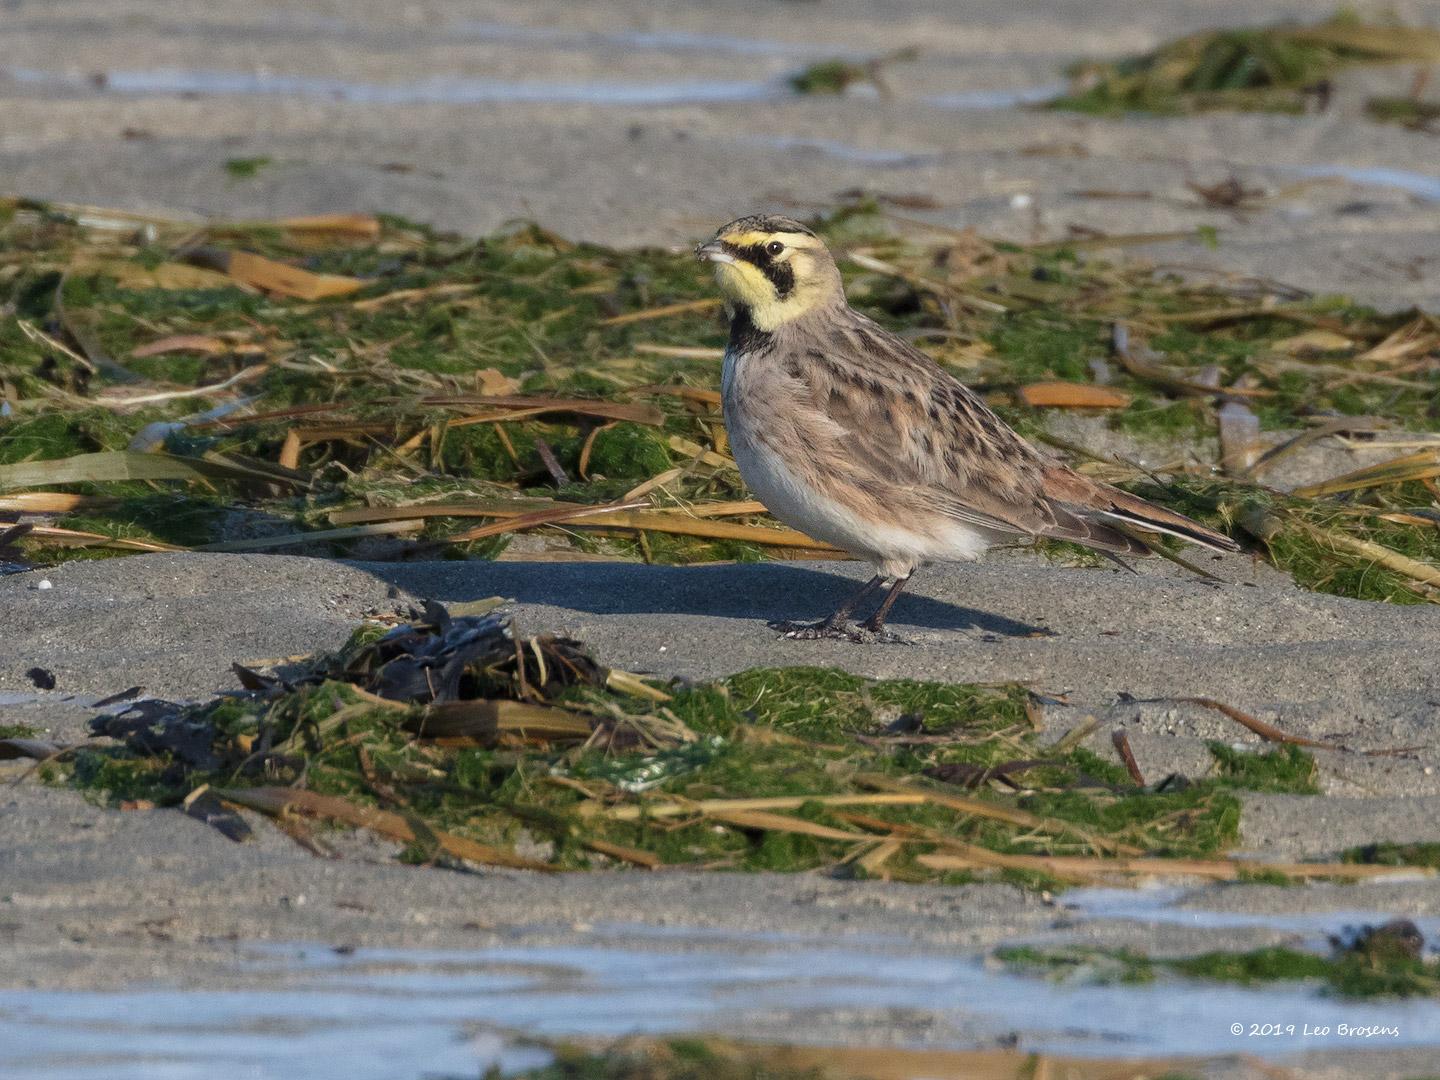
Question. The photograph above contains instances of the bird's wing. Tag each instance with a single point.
(907, 426)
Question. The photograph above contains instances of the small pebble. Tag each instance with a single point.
(44, 583)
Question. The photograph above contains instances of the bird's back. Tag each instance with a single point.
(860, 412)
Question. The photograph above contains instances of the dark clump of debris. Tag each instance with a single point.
(469, 743)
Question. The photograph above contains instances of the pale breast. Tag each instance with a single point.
(790, 460)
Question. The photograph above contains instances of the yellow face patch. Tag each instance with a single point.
(773, 287)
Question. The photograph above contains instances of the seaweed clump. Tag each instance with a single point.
(1274, 69)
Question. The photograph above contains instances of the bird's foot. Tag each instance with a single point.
(829, 630)
(825, 629)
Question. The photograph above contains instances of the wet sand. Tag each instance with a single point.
(625, 123)
(621, 123)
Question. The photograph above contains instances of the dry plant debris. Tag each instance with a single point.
(1367, 961)
(358, 386)
(1285, 68)
(471, 744)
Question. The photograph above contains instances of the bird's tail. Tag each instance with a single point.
(1130, 510)
(1094, 500)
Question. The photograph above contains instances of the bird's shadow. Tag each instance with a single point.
(759, 591)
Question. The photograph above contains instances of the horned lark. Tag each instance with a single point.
(850, 434)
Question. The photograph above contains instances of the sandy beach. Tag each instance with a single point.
(630, 123)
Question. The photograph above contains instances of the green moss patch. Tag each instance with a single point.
(471, 744)
(1272, 69)
(1377, 962)
(520, 373)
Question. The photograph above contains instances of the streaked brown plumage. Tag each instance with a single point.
(856, 437)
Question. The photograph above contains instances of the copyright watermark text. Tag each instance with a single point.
(1343, 1031)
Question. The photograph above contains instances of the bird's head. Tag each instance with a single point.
(772, 269)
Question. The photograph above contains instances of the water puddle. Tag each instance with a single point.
(466, 91)
(389, 1014)
(1420, 185)
(997, 99)
(1157, 906)
(9, 698)
(438, 91)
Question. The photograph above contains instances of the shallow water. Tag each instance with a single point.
(1421, 185)
(388, 1014)
(452, 90)
(438, 91)
(1159, 905)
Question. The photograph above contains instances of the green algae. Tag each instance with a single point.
(1282, 68)
(1285, 769)
(1360, 972)
(1418, 854)
(823, 740)
(538, 315)
(246, 168)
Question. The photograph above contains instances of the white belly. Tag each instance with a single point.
(894, 549)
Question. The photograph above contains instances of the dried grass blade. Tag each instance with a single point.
(554, 516)
(275, 801)
(737, 508)
(687, 307)
(1121, 742)
(633, 811)
(1305, 438)
(770, 822)
(873, 861)
(1166, 380)
(1266, 731)
(495, 508)
(53, 502)
(605, 410)
(688, 393)
(126, 465)
(126, 401)
(77, 538)
(1069, 395)
(627, 682)
(1417, 466)
(681, 352)
(362, 225)
(995, 812)
(279, 278)
(685, 525)
(486, 720)
(263, 543)
(634, 856)
(204, 344)
(879, 266)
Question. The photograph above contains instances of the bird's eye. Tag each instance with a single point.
(774, 247)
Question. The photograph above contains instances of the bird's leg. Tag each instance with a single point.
(837, 623)
(875, 624)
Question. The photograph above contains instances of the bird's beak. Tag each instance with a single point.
(714, 251)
